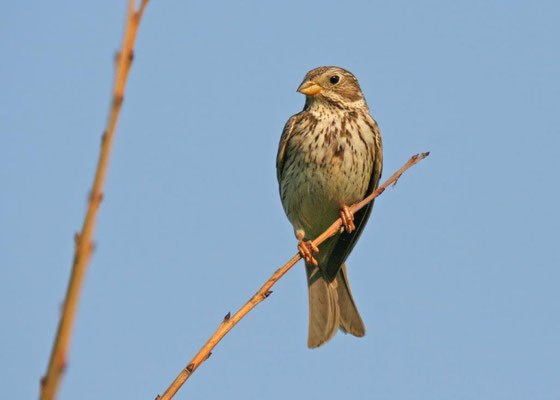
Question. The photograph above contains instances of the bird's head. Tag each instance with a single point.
(333, 85)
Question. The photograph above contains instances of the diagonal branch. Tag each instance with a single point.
(230, 321)
(84, 240)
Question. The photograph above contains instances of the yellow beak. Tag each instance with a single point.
(310, 88)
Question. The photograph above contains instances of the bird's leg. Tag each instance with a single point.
(306, 248)
(347, 217)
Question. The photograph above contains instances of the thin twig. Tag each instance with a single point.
(50, 383)
(230, 321)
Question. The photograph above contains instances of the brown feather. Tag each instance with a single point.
(329, 155)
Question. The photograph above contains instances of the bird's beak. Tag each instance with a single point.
(309, 88)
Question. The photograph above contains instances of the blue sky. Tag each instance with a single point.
(456, 276)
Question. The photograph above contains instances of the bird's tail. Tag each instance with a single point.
(331, 306)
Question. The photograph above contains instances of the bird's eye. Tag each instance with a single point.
(334, 79)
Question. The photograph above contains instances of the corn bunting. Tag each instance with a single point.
(330, 156)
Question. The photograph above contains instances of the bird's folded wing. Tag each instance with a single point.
(286, 134)
(345, 242)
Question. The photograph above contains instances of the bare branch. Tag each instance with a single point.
(50, 383)
(230, 321)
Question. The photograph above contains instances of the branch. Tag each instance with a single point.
(84, 243)
(230, 321)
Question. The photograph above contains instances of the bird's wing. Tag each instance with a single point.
(345, 242)
(286, 134)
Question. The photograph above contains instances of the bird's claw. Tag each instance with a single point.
(306, 250)
(347, 217)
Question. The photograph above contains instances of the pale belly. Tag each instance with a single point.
(319, 179)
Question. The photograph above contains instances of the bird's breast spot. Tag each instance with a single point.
(339, 152)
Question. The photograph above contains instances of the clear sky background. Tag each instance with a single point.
(457, 275)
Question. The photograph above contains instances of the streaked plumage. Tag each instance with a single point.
(330, 155)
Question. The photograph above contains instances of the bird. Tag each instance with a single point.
(330, 156)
